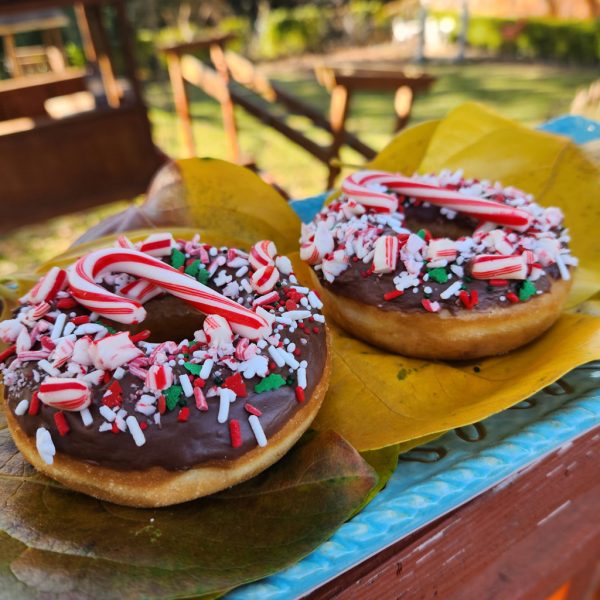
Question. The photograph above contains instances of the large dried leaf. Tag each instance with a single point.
(54, 542)
(377, 399)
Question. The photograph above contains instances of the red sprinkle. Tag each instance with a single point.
(299, 394)
(236, 384)
(66, 303)
(184, 414)
(272, 366)
(290, 305)
(252, 409)
(139, 337)
(80, 320)
(235, 433)
(61, 423)
(469, 300)
(512, 297)
(199, 382)
(498, 282)
(162, 404)
(8, 352)
(315, 329)
(34, 405)
(393, 294)
(143, 425)
(115, 429)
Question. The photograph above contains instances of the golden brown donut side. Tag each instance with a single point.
(467, 335)
(158, 487)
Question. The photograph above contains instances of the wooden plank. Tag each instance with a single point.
(196, 45)
(521, 540)
(101, 156)
(25, 97)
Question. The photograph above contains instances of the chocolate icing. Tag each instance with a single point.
(176, 445)
(355, 284)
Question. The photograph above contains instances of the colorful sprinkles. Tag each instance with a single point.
(76, 361)
(515, 242)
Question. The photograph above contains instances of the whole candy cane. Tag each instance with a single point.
(87, 269)
(359, 186)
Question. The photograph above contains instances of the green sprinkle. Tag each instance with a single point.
(172, 396)
(193, 268)
(108, 327)
(527, 290)
(271, 382)
(438, 275)
(203, 276)
(422, 233)
(177, 258)
(192, 368)
(290, 380)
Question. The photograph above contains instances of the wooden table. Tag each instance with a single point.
(534, 536)
(344, 82)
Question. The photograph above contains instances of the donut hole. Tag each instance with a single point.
(431, 218)
(169, 318)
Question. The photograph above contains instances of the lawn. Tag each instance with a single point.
(527, 93)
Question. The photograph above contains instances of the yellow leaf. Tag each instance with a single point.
(378, 399)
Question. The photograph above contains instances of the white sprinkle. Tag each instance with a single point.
(21, 408)
(69, 328)
(289, 358)
(188, 390)
(427, 290)
(90, 329)
(246, 285)
(290, 347)
(145, 408)
(301, 374)
(136, 433)
(44, 445)
(46, 366)
(119, 372)
(206, 368)
(157, 418)
(304, 302)
(314, 300)
(564, 272)
(225, 399)
(241, 272)
(319, 318)
(283, 320)
(105, 427)
(257, 430)
(107, 413)
(451, 290)
(262, 344)
(300, 289)
(297, 315)
(58, 326)
(276, 356)
(86, 417)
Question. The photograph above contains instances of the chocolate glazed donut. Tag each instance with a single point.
(178, 405)
(439, 267)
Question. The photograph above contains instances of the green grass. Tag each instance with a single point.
(527, 93)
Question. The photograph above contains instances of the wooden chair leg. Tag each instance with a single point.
(227, 107)
(182, 103)
(403, 102)
(340, 103)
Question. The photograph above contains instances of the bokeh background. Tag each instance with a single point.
(532, 60)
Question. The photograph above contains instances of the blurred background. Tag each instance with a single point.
(283, 86)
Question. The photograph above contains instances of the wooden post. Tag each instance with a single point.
(227, 108)
(126, 35)
(340, 103)
(11, 55)
(182, 103)
(95, 46)
(403, 102)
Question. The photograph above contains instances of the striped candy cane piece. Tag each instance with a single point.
(488, 266)
(48, 286)
(91, 295)
(365, 188)
(158, 244)
(262, 254)
(479, 208)
(124, 242)
(113, 351)
(140, 290)
(263, 280)
(441, 249)
(217, 330)
(64, 394)
(159, 377)
(386, 254)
